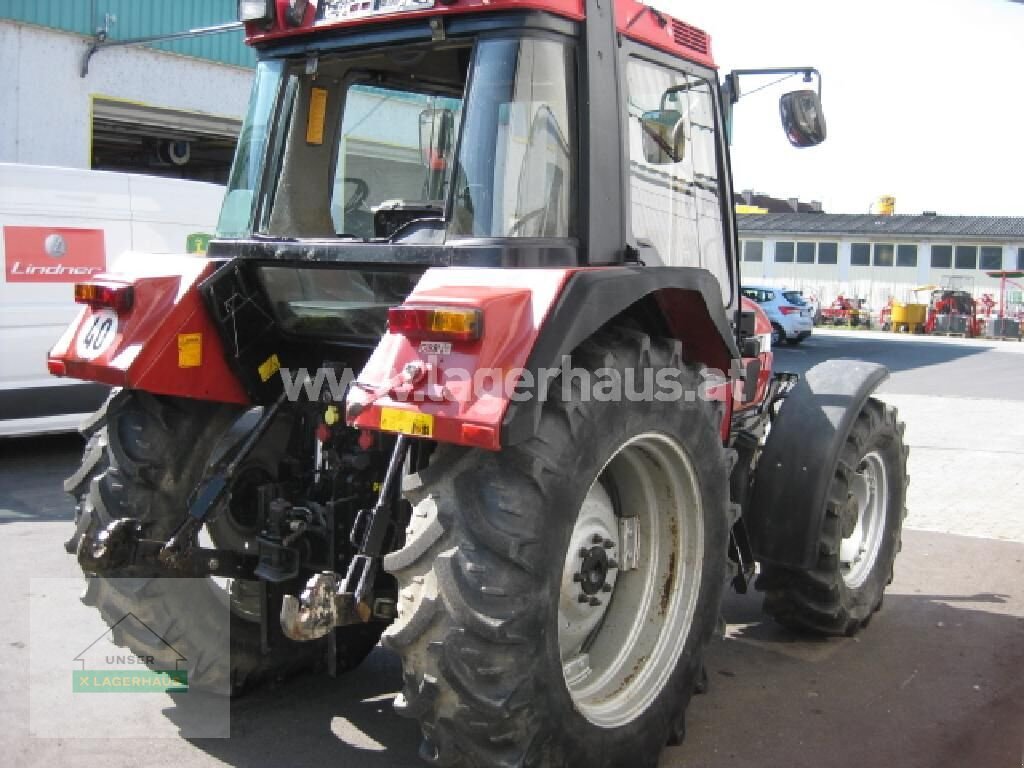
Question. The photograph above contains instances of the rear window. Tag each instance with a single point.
(795, 297)
(335, 302)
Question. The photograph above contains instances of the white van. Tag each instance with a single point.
(58, 226)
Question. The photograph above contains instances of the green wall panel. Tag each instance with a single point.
(142, 18)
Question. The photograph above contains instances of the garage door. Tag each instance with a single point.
(140, 138)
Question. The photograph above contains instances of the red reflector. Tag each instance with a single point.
(455, 323)
(474, 434)
(110, 295)
(56, 367)
(789, 310)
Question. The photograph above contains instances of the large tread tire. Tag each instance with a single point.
(143, 457)
(819, 600)
(480, 569)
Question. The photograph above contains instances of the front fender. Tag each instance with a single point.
(165, 343)
(793, 475)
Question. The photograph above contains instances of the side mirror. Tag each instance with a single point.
(663, 135)
(437, 127)
(802, 118)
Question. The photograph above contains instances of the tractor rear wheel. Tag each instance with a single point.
(144, 457)
(530, 630)
(860, 535)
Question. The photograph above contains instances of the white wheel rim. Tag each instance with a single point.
(858, 552)
(618, 655)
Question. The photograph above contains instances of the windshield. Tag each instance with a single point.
(377, 146)
(380, 161)
(250, 153)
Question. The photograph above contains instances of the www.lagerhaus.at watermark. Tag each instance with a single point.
(429, 383)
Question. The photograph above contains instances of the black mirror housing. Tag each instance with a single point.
(802, 118)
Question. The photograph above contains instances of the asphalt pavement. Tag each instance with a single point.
(935, 680)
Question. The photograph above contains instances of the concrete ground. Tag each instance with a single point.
(936, 680)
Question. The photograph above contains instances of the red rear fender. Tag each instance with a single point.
(165, 343)
(457, 391)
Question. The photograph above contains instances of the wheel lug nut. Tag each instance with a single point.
(594, 601)
(583, 599)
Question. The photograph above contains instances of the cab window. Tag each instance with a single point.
(675, 190)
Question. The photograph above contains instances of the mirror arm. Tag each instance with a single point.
(733, 78)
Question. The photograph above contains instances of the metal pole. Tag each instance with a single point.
(100, 42)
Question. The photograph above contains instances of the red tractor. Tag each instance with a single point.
(466, 369)
(953, 312)
(844, 311)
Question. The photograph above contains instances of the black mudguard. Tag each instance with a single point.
(793, 475)
(593, 297)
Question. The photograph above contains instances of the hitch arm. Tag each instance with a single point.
(214, 488)
(119, 550)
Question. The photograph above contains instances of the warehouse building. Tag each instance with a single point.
(876, 257)
(76, 96)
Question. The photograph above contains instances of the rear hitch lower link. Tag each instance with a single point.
(331, 601)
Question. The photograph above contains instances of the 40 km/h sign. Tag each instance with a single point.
(96, 336)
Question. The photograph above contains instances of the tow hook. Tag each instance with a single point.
(329, 600)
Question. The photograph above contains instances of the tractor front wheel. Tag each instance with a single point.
(860, 535)
(556, 597)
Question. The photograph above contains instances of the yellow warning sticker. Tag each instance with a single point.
(407, 422)
(190, 350)
(269, 367)
(317, 116)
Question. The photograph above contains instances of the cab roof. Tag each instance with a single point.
(635, 20)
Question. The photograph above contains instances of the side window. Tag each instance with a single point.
(828, 253)
(674, 185)
(753, 250)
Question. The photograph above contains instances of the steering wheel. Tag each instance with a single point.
(359, 196)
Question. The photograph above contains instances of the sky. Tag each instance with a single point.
(922, 98)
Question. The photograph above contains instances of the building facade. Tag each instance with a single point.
(171, 108)
(876, 257)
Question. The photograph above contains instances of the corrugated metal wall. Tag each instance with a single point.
(142, 18)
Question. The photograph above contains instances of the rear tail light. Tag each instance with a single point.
(113, 296)
(441, 323)
(789, 310)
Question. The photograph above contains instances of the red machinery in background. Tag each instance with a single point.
(953, 310)
(844, 311)
(1006, 323)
